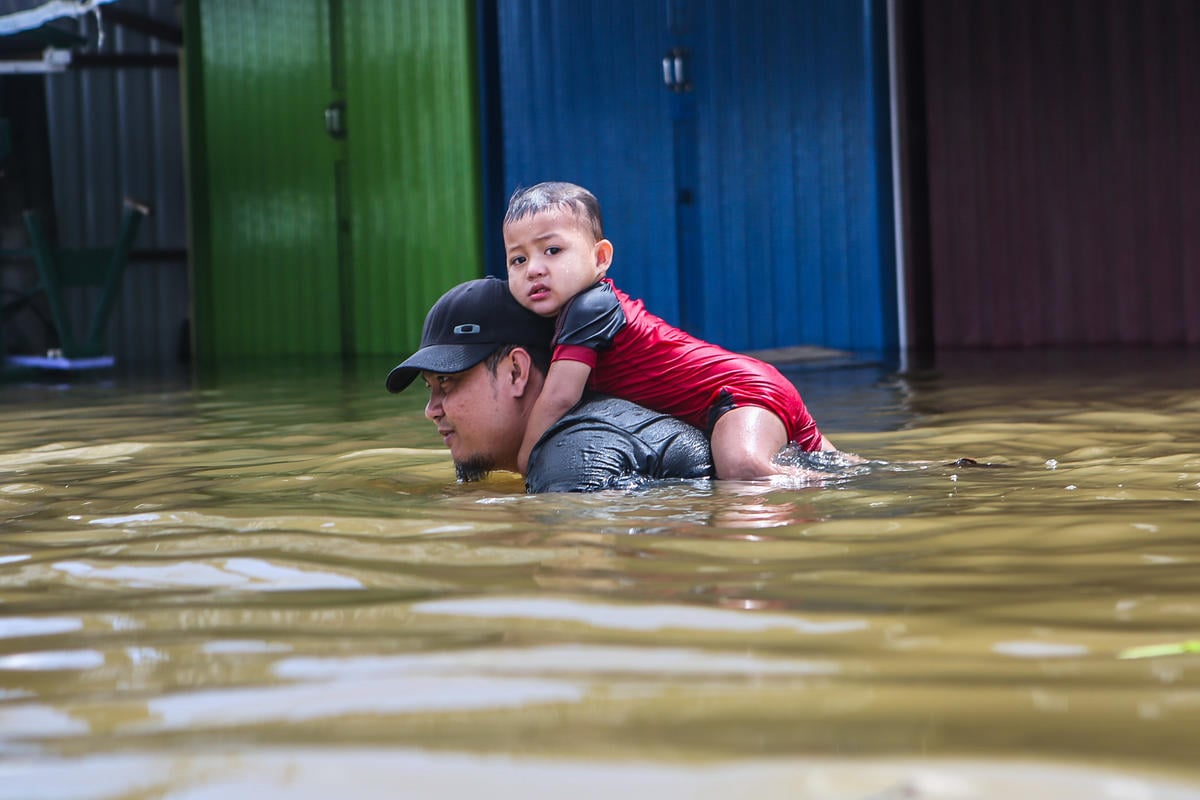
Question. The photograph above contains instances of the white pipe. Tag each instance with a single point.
(55, 9)
(52, 61)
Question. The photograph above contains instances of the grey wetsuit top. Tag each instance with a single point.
(605, 442)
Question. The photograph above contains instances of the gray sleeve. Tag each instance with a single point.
(591, 319)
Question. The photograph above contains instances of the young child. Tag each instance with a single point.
(557, 260)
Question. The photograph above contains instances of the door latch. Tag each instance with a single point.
(335, 119)
(675, 69)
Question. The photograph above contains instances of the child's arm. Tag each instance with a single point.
(565, 381)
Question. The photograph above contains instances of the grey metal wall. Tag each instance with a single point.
(116, 132)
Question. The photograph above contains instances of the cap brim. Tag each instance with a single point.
(437, 358)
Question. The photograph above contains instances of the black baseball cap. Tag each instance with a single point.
(466, 325)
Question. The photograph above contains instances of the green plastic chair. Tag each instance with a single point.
(61, 269)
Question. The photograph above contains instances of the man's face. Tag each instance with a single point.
(474, 420)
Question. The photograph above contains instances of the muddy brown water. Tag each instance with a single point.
(266, 583)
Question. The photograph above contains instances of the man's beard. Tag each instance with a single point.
(475, 468)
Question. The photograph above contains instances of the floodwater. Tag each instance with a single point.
(265, 583)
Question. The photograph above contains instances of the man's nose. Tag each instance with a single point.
(433, 408)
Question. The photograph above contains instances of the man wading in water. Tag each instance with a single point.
(484, 358)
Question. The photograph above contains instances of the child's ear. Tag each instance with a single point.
(604, 254)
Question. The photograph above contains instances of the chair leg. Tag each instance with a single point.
(108, 278)
(43, 257)
(130, 222)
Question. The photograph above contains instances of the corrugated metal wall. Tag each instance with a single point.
(413, 166)
(1064, 171)
(794, 161)
(318, 245)
(754, 208)
(116, 133)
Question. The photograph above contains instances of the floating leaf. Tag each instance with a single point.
(1156, 650)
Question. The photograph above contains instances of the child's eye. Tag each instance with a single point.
(516, 261)
(550, 251)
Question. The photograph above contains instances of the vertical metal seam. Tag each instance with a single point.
(897, 185)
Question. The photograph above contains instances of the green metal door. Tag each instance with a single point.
(308, 241)
(414, 197)
(269, 281)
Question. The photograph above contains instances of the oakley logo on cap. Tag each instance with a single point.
(469, 327)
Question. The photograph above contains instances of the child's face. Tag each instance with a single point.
(552, 257)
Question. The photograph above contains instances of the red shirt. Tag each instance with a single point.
(637, 356)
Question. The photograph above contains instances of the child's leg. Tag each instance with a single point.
(744, 441)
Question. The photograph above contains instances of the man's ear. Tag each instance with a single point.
(516, 370)
(604, 255)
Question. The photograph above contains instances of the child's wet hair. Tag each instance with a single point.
(552, 195)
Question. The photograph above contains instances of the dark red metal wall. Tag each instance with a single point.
(1063, 157)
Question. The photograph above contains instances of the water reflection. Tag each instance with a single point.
(207, 586)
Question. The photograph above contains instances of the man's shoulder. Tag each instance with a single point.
(594, 403)
(622, 415)
(606, 440)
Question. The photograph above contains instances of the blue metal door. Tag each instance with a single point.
(583, 101)
(740, 151)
